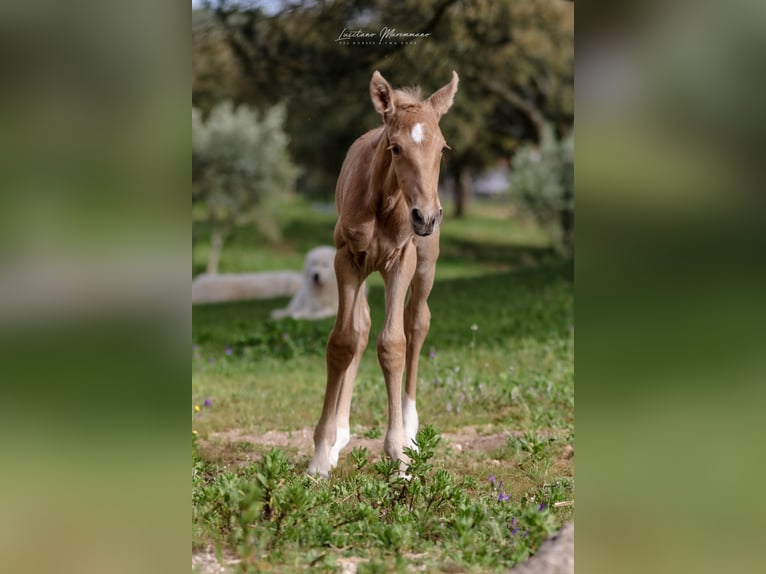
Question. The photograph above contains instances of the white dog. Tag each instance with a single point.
(317, 298)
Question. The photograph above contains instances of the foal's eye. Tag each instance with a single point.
(445, 148)
(395, 150)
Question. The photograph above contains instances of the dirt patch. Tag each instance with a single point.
(472, 439)
(349, 565)
(302, 440)
(206, 562)
(466, 439)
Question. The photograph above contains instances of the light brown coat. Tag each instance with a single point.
(388, 221)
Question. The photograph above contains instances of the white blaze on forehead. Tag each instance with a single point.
(417, 133)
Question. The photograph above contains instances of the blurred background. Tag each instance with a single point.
(669, 286)
(669, 274)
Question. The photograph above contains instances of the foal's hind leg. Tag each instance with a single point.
(417, 321)
(343, 409)
(347, 340)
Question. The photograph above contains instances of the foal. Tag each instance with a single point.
(388, 221)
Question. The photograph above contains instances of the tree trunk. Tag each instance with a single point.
(463, 187)
(217, 236)
(567, 221)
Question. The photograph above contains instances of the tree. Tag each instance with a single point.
(514, 57)
(240, 171)
(543, 182)
(517, 58)
(293, 58)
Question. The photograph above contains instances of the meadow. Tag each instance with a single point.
(494, 473)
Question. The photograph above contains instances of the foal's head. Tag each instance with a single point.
(416, 144)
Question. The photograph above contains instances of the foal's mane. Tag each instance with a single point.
(408, 97)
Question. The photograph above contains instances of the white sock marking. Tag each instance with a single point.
(341, 440)
(410, 415)
(417, 133)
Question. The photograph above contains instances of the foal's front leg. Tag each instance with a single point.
(392, 345)
(417, 321)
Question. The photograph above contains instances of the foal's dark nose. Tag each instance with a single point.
(417, 217)
(424, 225)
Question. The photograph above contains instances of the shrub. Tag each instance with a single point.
(240, 171)
(543, 183)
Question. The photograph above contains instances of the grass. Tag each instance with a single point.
(498, 361)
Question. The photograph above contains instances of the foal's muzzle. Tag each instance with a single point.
(424, 225)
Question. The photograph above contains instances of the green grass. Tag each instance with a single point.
(499, 357)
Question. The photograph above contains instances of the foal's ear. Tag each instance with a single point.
(441, 101)
(382, 95)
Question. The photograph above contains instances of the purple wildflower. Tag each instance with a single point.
(503, 497)
(208, 402)
(514, 523)
(541, 507)
(500, 485)
(514, 531)
(228, 351)
(432, 354)
(492, 479)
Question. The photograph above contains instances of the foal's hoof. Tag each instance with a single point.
(314, 470)
(315, 473)
(320, 465)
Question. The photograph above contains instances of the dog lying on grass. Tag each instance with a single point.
(317, 297)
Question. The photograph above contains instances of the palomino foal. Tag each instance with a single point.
(388, 221)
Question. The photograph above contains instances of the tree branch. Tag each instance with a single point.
(514, 99)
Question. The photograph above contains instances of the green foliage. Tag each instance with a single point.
(536, 446)
(543, 182)
(271, 510)
(283, 339)
(241, 170)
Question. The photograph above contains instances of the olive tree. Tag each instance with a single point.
(241, 171)
(543, 183)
